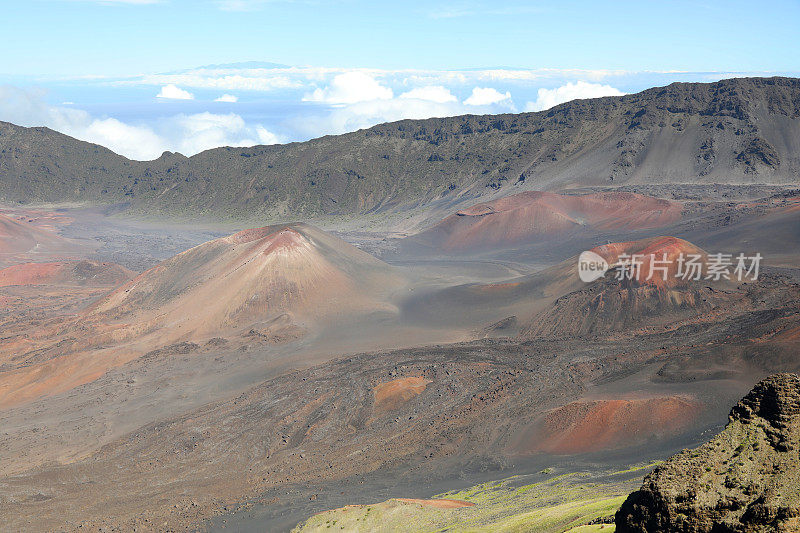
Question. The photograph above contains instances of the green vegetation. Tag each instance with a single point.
(746, 478)
(566, 502)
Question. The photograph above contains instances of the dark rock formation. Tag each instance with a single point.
(736, 131)
(758, 152)
(747, 478)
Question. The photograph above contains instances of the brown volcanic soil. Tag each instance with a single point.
(45, 219)
(35, 298)
(654, 249)
(530, 216)
(304, 429)
(594, 425)
(260, 273)
(249, 278)
(554, 302)
(177, 435)
(272, 284)
(443, 503)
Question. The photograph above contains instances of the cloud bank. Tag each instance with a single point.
(571, 91)
(280, 103)
(359, 99)
(351, 88)
(482, 96)
(268, 77)
(184, 133)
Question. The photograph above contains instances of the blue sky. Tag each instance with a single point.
(127, 73)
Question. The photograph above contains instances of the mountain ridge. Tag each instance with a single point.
(735, 131)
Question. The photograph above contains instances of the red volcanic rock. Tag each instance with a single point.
(15, 236)
(31, 274)
(84, 273)
(589, 426)
(250, 235)
(651, 255)
(529, 216)
(392, 394)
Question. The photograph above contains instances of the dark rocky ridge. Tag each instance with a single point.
(747, 478)
(737, 131)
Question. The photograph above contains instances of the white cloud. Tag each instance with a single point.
(188, 134)
(347, 118)
(366, 109)
(529, 75)
(548, 98)
(435, 93)
(483, 96)
(350, 88)
(345, 100)
(244, 80)
(267, 137)
(173, 92)
(137, 142)
(191, 134)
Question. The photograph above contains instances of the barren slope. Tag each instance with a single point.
(537, 216)
(250, 279)
(452, 409)
(20, 241)
(270, 285)
(649, 299)
(82, 273)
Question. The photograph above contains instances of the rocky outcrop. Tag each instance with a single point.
(758, 152)
(747, 478)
